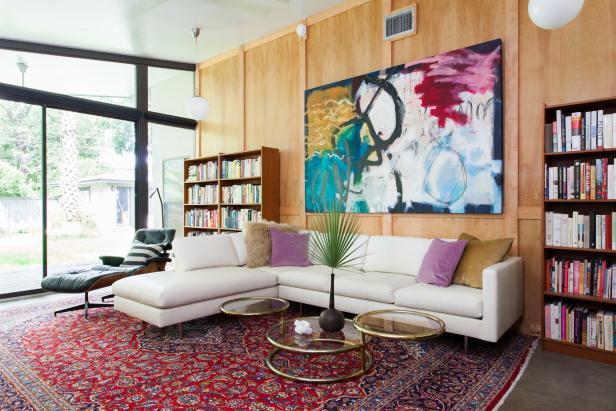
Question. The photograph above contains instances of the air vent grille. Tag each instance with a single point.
(400, 23)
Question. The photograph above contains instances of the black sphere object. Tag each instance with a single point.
(331, 320)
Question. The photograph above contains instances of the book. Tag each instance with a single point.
(559, 127)
(593, 130)
(599, 129)
(608, 139)
(568, 135)
(576, 134)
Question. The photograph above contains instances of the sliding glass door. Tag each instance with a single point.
(90, 188)
(21, 194)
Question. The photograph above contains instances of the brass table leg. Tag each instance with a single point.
(363, 351)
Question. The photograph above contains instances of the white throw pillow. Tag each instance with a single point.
(239, 242)
(400, 255)
(192, 253)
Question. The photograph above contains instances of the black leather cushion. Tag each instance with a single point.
(79, 281)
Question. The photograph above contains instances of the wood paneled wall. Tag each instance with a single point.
(256, 98)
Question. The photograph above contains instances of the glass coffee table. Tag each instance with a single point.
(399, 324)
(283, 337)
(253, 306)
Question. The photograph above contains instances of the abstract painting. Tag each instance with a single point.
(421, 137)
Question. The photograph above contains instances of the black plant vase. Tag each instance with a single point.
(331, 319)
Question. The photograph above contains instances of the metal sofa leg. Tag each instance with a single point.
(181, 330)
(465, 344)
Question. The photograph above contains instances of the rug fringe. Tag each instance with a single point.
(529, 355)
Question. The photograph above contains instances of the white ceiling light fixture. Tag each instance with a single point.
(301, 30)
(197, 107)
(553, 14)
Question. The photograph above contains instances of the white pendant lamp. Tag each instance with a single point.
(197, 107)
(553, 14)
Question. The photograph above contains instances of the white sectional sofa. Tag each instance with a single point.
(387, 279)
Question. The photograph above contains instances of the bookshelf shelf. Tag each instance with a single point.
(555, 201)
(269, 180)
(580, 250)
(240, 179)
(201, 182)
(580, 297)
(567, 124)
(579, 350)
(580, 153)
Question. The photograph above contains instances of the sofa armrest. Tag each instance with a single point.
(503, 297)
(111, 260)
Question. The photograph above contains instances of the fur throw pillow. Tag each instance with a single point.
(259, 241)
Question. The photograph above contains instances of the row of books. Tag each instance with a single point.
(590, 130)
(250, 167)
(207, 194)
(198, 217)
(585, 180)
(242, 194)
(579, 324)
(593, 277)
(236, 218)
(199, 233)
(581, 231)
(203, 171)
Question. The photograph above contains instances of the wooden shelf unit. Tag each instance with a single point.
(583, 206)
(269, 180)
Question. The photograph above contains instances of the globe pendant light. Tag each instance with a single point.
(553, 14)
(197, 107)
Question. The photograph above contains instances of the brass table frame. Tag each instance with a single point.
(365, 355)
(408, 336)
(285, 306)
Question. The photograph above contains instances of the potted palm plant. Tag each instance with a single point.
(335, 245)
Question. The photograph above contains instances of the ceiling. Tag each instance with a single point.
(151, 28)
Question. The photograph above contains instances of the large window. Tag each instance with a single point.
(91, 188)
(75, 174)
(168, 147)
(21, 214)
(102, 81)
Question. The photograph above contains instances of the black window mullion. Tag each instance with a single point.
(44, 186)
(141, 150)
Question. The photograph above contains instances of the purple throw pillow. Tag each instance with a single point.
(440, 262)
(289, 249)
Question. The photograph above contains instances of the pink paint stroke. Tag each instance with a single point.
(449, 74)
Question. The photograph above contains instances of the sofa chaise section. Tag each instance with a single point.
(167, 297)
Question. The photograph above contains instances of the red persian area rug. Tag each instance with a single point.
(113, 361)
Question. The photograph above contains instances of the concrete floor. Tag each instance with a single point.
(559, 382)
(551, 381)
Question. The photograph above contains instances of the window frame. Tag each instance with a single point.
(139, 115)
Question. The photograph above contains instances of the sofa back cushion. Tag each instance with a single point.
(239, 242)
(400, 255)
(192, 253)
(359, 248)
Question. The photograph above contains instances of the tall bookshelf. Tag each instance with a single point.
(587, 206)
(251, 181)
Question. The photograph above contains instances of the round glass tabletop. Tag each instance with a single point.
(283, 336)
(400, 324)
(251, 306)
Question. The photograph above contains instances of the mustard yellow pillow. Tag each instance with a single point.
(477, 256)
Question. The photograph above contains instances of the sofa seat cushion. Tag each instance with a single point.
(167, 289)
(313, 277)
(373, 286)
(455, 299)
(278, 270)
